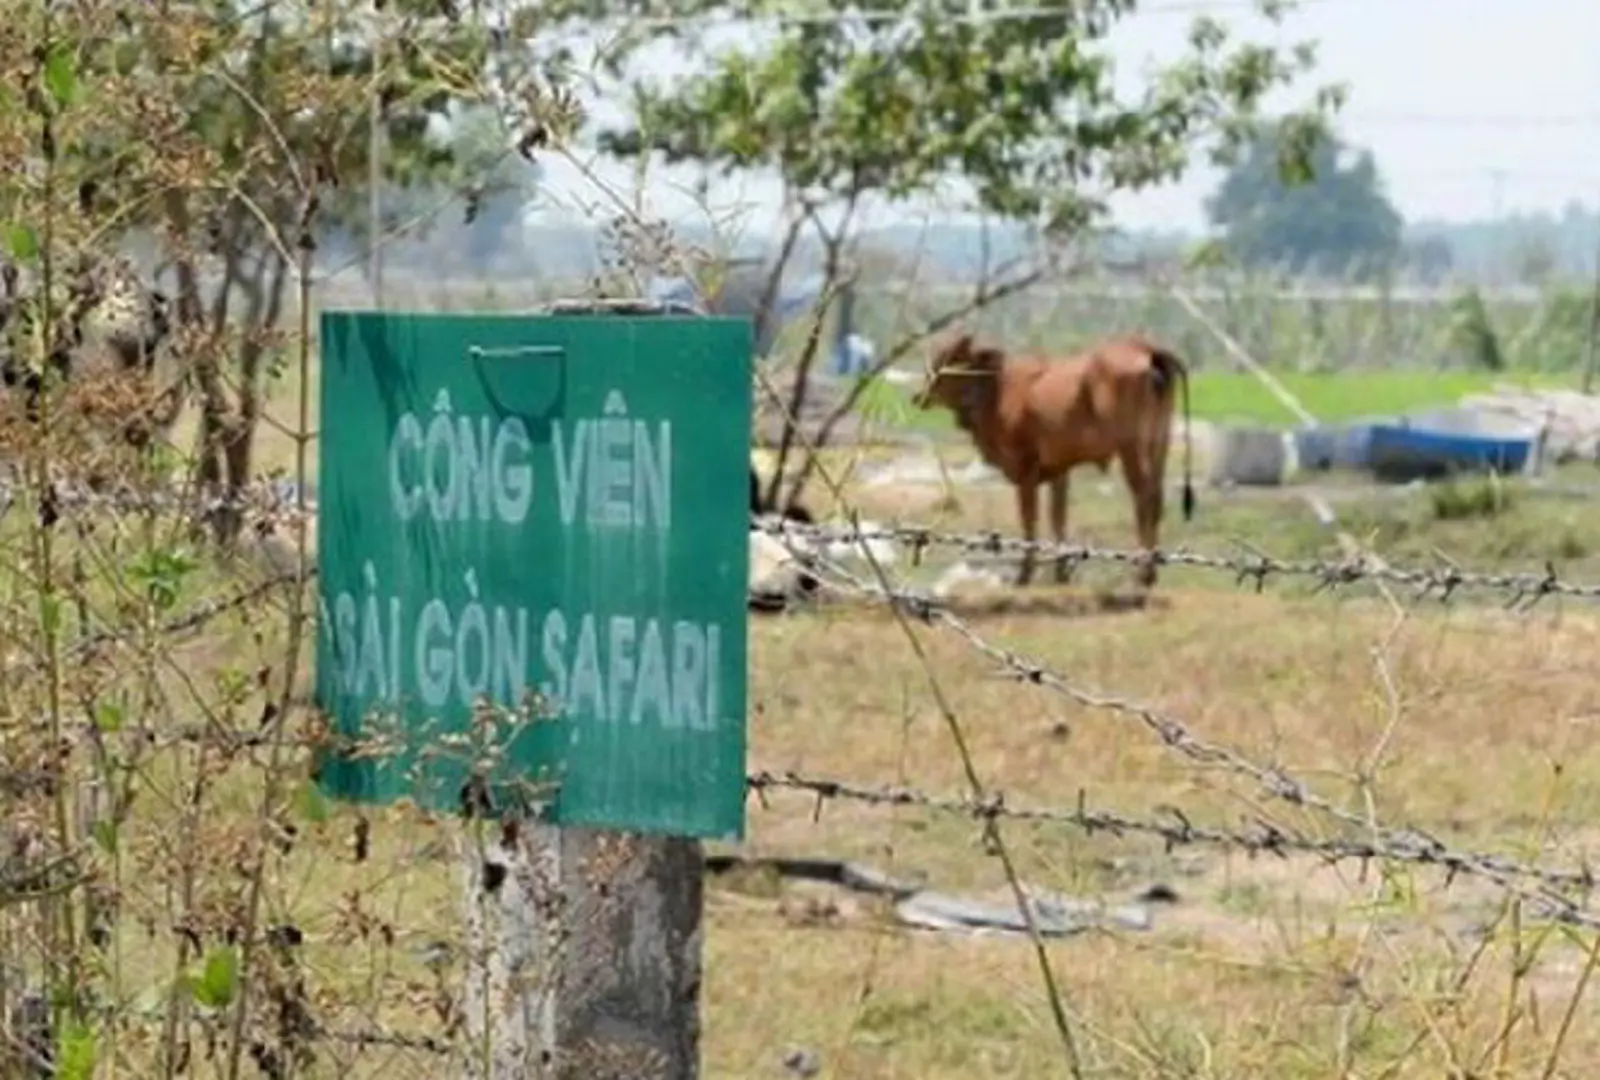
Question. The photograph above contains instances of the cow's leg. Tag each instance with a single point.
(1144, 490)
(1151, 499)
(1028, 510)
(1058, 521)
(1155, 497)
(1155, 492)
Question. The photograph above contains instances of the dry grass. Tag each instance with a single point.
(1262, 967)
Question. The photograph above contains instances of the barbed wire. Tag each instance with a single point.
(371, 1037)
(1260, 837)
(1410, 843)
(201, 615)
(275, 501)
(1254, 567)
(265, 497)
(316, 1031)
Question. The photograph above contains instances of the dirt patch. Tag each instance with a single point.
(1054, 602)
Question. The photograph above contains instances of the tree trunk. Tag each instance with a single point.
(201, 345)
(262, 315)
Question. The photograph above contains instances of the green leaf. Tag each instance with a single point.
(163, 574)
(109, 717)
(50, 615)
(219, 978)
(885, 403)
(75, 1052)
(23, 242)
(105, 834)
(311, 803)
(1208, 254)
(61, 74)
(1025, 113)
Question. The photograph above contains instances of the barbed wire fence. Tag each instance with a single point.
(1407, 845)
(307, 1026)
(1559, 893)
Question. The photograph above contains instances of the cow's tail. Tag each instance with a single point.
(1169, 369)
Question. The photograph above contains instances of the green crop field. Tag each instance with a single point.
(1240, 396)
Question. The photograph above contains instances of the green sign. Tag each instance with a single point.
(533, 561)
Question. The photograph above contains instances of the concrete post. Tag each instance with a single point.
(584, 954)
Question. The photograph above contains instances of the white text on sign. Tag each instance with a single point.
(479, 468)
(607, 668)
(623, 475)
(464, 468)
(611, 471)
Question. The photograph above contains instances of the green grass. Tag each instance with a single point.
(1238, 397)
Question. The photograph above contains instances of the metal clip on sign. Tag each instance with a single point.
(619, 306)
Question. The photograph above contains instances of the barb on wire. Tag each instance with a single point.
(30, 881)
(361, 1037)
(267, 498)
(368, 745)
(1442, 582)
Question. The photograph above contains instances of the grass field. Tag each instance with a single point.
(1239, 397)
(1475, 724)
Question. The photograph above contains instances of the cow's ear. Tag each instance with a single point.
(951, 350)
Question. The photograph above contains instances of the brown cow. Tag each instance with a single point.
(1035, 420)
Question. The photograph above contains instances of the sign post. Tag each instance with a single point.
(533, 560)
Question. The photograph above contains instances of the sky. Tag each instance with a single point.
(1471, 107)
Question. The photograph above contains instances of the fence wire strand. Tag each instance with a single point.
(1255, 568)
(1175, 830)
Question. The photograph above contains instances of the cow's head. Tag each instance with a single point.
(961, 374)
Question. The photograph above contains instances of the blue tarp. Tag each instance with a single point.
(1335, 446)
(1419, 444)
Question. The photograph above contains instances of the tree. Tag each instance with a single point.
(475, 204)
(238, 132)
(1017, 105)
(1535, 259)
(1334, 219)
(498, 186)
(1430, 257)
